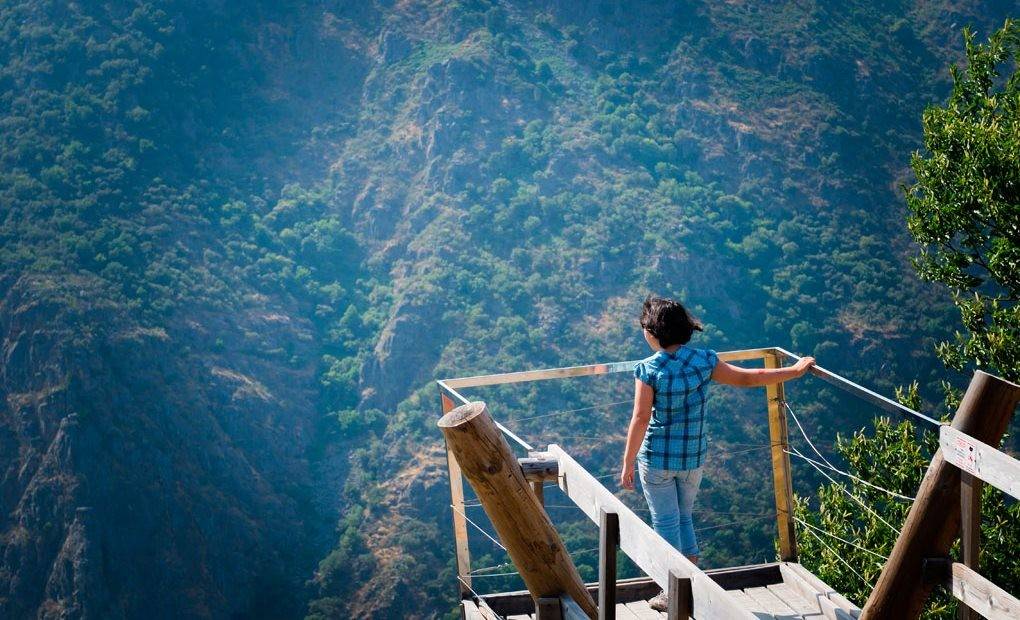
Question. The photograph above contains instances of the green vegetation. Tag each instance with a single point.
(965, 205)
(333, 204)
(894, 457)
(964, 212)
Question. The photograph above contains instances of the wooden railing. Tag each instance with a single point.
(978, 462)
(451, 397)
(618, 524)
(947, 507)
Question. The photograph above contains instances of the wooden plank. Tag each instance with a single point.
(781, 476)
(460, 534)
(469, 611)
(740, 577)
(609, 540)
(981, 460)
(792, 597)
(828, 610)
(982, 595)
(639, 541)
(818, 594)
(772, 604)
(820, 586)
(970, 532)
(640, 610)
(541, 374)
(831, 612)
(472, 611)
(748, 603)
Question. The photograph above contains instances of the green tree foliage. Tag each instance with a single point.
(894, 457)
(965, 211)
(965, 205)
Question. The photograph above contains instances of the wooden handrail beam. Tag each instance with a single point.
(539, 467)
(981, 595)
(643, 545)
(981, 460)
(934, 518)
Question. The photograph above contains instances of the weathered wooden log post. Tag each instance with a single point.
(782, 476)
(934, 520)
(522, 525)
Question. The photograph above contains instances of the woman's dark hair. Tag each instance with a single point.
(668, 321)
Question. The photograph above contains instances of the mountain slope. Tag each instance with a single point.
(579, 157)
(239, 241)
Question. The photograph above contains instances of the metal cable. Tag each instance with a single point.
(828, 464)
(745, 450)
(479, 571)
(851, 476)
(512, 435)
(805, 435)
(717, 526)
(838, 556)
(486, 575)
(565, 411)
(843, 540)
(478, 527)
(848, 493)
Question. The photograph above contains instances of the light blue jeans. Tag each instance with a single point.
(670, 495)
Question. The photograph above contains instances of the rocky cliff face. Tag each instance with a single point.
(143, 478)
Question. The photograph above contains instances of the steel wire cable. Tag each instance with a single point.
(838, 556)
(827, 463)
(828, 533)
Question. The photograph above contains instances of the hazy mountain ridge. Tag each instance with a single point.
(239, 242)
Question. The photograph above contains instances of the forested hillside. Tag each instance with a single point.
(240, 240)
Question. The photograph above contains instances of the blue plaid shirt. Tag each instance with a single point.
(675, 438)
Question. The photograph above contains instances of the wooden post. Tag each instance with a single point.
(548, 608)
(609, 540)
(538, 467)
(520, 521)
(460, 535)
(970, 532)
(781, 477)
(679, 597)
(934, 519)
(570, 609)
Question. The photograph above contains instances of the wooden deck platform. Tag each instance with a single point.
(780, 591)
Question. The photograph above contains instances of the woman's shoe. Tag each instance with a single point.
(660, 602)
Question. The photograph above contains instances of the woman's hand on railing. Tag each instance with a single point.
(803, 365)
